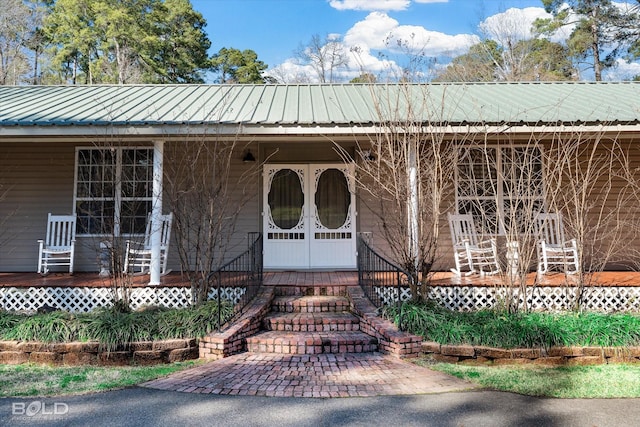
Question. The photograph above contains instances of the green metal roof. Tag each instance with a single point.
(327, 105)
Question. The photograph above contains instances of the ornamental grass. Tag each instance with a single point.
(113, 327)
(496, 328)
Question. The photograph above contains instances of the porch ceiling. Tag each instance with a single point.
(310, 109)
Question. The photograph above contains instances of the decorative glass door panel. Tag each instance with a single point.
(285, 221)
(286, 199)
(332, 243)
(309, 216)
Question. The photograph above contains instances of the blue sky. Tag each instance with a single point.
(274, 29)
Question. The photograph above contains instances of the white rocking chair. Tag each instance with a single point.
(58, 246)
(137, 259)
(553, 249)
(468, 251)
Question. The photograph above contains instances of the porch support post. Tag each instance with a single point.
(156, 211)
(414, 246)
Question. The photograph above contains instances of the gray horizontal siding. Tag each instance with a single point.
(35, 179)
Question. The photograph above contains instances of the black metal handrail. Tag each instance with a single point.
(244, 271)
(374, 271)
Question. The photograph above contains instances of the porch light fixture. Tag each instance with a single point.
(248, 157)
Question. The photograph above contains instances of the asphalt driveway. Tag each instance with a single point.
(140, 406)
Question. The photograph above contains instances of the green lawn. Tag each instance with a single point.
(599, 381)
(36, 380)
(602, 381)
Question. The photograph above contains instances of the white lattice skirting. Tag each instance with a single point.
(461, 298)
(78, 300)
(545, 298)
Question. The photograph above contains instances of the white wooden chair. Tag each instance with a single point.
(137, 259)
(468, 251)
(58, 246)
(553, 249)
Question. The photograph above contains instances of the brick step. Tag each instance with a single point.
(311, 342)
(310, 304)
(310, 290)
(311, 322)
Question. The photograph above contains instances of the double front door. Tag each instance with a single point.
(309, 216)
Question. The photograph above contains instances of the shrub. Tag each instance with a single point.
(198, 321)
(57, 326)
(112, 327)
(497, 328)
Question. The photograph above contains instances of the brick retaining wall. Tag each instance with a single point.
(553, 356)
(89, 353)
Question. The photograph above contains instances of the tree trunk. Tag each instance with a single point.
(597, 66)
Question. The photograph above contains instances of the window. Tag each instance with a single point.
(113, 193)
(499, 185)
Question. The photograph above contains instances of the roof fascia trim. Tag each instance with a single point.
(242, 130)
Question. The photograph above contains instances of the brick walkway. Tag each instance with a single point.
(322, 375)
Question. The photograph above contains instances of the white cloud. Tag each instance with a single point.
(378, 31)
(359, 61)
(515, 24)
(292, 72)
(432, 1)
(362, 60)
(369, 4)
(372, 32)
(623, 70)
(430, 43)
(512, 25)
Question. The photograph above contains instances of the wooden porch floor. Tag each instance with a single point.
(605, 278)
(309, 278)
(92, 280)
(306, 278)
